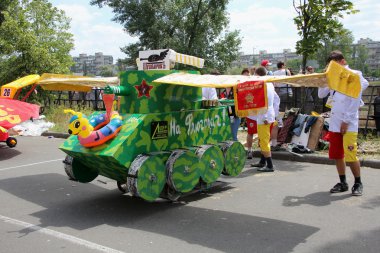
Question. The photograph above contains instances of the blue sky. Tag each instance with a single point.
(263, 24)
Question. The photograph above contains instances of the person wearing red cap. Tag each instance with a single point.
(266, 64)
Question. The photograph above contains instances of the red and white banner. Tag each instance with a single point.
(250, 98)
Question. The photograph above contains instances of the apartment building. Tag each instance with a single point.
(255, 59)
(373, 47)
(90, 64)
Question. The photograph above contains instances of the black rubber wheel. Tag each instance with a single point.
(11, 142)
(122, 187)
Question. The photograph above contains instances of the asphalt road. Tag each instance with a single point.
(286, 211)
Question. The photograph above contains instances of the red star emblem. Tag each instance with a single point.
(350, 147)
(143, 89)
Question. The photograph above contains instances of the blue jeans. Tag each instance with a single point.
(235, 127)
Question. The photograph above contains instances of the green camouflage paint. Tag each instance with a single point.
(234, 156)
(158, 117)
(212, 162)
(150, 176)
(148, 97)
(183, 170)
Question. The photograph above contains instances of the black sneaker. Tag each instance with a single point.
(339, 187)
(258, 165)
(357, 189)
(249, 154)
(266, 169)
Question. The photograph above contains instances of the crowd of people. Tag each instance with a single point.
(343, 127)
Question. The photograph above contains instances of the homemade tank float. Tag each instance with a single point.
(167, 141)
(164, 140)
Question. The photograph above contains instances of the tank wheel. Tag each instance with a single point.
(68, 162)
(234, 157)
(212, 162)
(11, 142)
(146, 177)
(122, 186)
(183, 170)
(77, 171)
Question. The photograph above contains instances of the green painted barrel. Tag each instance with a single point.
(146, 177)
(234, 157)
(183, 170)
(212, 161)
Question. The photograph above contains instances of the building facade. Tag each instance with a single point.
(373, 47)
(90, 64)
(255, 59)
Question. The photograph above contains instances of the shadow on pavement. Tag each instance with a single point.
(7, 152)
(83, 206)
(315, 199)
(279, 165)
(372, 203)
(357, 243)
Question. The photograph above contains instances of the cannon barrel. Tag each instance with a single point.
(118, 90)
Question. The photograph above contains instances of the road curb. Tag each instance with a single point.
(56, 135)
(279, 155)
(371, 163)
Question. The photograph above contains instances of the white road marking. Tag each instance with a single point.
(59, 235)
(31, 164)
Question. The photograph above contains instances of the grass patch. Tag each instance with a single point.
(60, 119)
(374, 83)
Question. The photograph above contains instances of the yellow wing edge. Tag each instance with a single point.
(336, 78)
(58, 82)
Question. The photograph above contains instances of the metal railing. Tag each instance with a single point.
(91, 99)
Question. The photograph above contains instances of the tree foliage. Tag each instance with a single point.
(318, 20)
(342, 42)
(107, 71)
(34, 39)
(4, 4)
(294, 65)
(194, 27)
(360, 56)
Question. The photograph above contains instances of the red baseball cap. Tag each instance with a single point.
(265, 63)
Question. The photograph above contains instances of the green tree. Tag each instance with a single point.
(106, 71)
(34, 39)
(294, 65)
(375, 73)
(4, 4)
(343, 42)
(233, 71)
(360, 57)
(317, 20)
(121, 65)
(194, 27)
